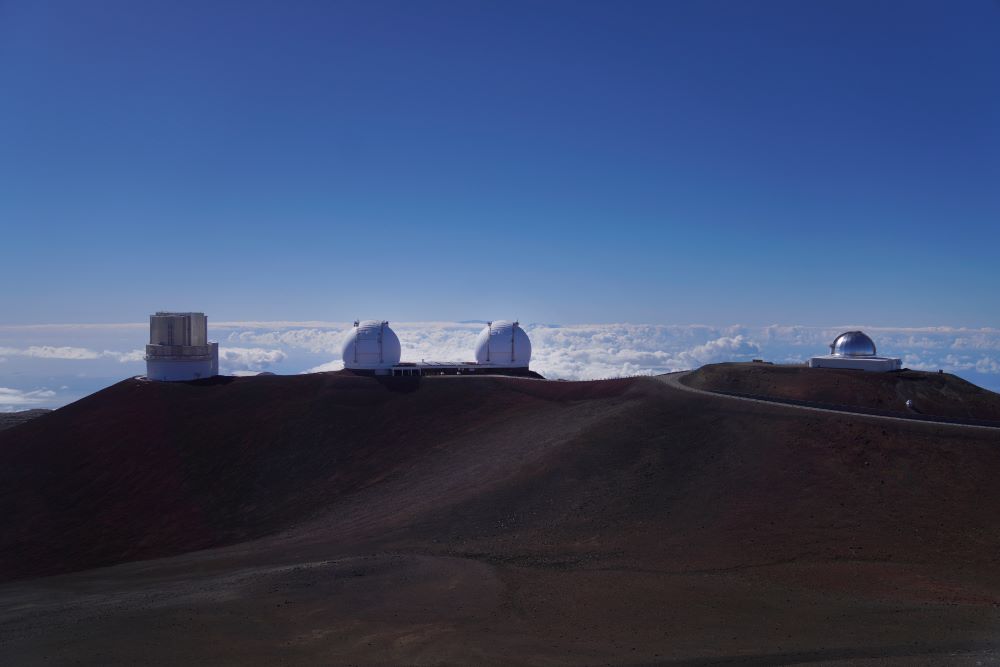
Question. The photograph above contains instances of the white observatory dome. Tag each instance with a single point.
(503, 343)
(371, 345)
(853, 344)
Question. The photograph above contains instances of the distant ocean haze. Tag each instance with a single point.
(52, 365)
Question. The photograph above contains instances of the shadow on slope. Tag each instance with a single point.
(145, 469)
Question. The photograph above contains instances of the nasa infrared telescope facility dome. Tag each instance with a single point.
(179, 348)
(855, 350)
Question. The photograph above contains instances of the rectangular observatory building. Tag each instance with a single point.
(179, 348)
(855, 350)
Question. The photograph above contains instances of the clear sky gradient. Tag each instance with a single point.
(662, 162)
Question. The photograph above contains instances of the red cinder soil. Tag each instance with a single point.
(330, 519)
(933, 394)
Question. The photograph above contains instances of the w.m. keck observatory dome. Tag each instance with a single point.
(371, 347)
(855, 350)
(503, 344)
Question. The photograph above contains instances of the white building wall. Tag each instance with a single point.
(178, 329)
(162, 330)
(198, 329)
(878, 364)
(173, 369)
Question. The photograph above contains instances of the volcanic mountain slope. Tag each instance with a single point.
(933, 394)
(486, 520)
(146, 469)
(9, 419)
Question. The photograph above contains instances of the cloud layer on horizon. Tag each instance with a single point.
(572, 352)
(580, 352)
(17, 399)
(69, 353)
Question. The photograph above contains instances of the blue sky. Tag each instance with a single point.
(808, 163)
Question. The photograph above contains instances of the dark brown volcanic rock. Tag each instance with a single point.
(933, 394)
(484, 520)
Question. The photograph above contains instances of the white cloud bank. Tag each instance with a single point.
(595, 351)
(68, 353)
(328, 366)
(240, 359)
(17, 399)
(51, 352)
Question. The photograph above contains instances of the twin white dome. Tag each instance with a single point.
(503, 343)
(371, 344)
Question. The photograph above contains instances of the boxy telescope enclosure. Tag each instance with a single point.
(179, 348)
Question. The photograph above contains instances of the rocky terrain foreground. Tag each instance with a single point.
(334, 519)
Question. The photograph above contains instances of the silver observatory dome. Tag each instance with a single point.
(853, 344)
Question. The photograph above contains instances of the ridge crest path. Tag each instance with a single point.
(675, 380)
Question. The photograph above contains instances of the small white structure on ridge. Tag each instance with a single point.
(855, 350)
(503, 344)
(179, 348)
(371, 346)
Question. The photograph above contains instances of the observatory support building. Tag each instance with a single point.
(179, 349)
(855, 350)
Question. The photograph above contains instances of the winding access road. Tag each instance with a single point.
(675, 380)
